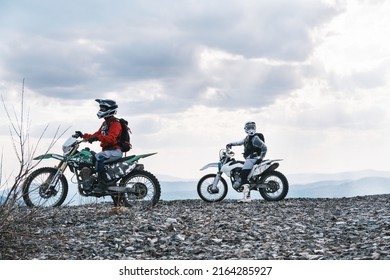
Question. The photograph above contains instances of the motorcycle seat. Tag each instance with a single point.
(120, 160)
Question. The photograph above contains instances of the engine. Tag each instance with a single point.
(235, 175)
(87, 178)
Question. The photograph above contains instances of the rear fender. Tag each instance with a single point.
(267, 165)
(135, 158)
(139, 167)
(273, 166)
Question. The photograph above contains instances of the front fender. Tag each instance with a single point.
(213, 164)
(48, 156)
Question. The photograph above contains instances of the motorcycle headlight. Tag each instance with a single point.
(66, 150)
(223, 154)
(68, 145)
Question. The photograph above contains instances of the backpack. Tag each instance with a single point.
(261, 136)
(124, 140)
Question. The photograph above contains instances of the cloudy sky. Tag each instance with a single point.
(187, 74)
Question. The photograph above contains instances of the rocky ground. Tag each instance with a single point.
(331, 229)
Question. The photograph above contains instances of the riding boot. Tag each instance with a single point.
(244, 176)
(246, 190)
(101, 186)
(247, 194)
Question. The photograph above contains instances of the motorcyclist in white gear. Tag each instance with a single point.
(254, 152)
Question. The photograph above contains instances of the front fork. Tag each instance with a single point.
(52, 181)
(214, 188)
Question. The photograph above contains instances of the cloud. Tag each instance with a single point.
(318, 109)
(188, 74)
(278, 30)
(367, 79)
(72, 51)
(248, 82)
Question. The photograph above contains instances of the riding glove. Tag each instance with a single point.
(92, 139)
(78, 134)
(253, 155)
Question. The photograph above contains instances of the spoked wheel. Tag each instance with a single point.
(142, 186)
(276, 186)
(207, 193)
(37, 191)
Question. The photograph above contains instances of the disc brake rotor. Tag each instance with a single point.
(272, 186)
(46, 192)
(139, 191)
(211, 190)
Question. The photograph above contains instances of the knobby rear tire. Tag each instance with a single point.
(278, 186)
(147, 186)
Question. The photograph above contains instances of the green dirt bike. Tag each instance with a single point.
(127, 180)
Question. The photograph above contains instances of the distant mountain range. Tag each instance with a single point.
(347, 184)
(342, 188)
(322, 189)
(336, 185)
(306, 178)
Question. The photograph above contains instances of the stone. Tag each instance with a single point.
(356, 228)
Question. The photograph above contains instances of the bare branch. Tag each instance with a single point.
(20, 125)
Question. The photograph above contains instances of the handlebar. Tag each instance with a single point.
(226, 152)
(90, 140)
(77, 142)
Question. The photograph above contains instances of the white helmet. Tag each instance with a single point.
(107, 108)
(250, 128)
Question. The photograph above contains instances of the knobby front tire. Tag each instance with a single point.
(205, 192)
(36, 190)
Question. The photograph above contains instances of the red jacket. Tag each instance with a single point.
(108, 134)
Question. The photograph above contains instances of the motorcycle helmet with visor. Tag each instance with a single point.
(108, 108)
(250, 128)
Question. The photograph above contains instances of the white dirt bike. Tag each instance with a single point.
(271, 184)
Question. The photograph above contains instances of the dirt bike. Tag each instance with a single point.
(271, 184)
(127, 181)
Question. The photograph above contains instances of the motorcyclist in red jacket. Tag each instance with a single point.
(109, 136)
